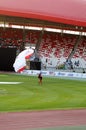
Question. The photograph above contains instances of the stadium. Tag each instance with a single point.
(48, 37)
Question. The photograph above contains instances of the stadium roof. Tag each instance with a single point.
(72, 12)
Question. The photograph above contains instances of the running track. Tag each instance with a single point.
(42, 119)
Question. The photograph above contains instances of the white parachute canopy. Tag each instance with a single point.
(20, 61)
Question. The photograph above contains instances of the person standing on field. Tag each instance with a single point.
(40, 78)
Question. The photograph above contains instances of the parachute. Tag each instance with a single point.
(20, 61)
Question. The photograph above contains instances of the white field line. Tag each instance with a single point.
(10, 82)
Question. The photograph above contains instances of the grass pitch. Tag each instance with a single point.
(54, 93)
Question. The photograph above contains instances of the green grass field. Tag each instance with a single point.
(62, 128)
(54, 93)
